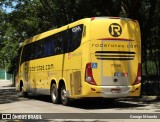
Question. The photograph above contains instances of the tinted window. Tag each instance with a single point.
(48, 45)
(76, 35)
(63, 42)
(58, 43)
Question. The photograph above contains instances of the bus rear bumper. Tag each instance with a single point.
(114, 91)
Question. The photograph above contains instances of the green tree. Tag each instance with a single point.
(30, 17)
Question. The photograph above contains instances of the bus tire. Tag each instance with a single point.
(24, 94)
(64, 99)
(54, 94)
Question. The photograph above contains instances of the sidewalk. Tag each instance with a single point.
(6, 84)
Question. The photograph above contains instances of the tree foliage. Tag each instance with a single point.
(30, 17)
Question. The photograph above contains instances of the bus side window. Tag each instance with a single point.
(52, 46)
(66, 42)
(40, 49)
(32, 51)
(47, 47)
(24, 54)
(76, 36)
(58, 44)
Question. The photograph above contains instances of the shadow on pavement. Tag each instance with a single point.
(44, 98)
(104, 104)
(120, 104)
(93, 103)
(10, 96)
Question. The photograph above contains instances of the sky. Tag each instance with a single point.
(9, 9)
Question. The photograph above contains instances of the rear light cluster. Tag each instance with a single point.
(92, 18)
(88, 74)
(139, 75)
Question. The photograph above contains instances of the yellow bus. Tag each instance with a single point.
(98, 57)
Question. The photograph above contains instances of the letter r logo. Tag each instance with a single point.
(115, 29)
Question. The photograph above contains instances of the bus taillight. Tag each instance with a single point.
(92, 18)
(88, 74)
(139, 75)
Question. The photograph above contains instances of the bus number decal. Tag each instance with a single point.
(115, 65)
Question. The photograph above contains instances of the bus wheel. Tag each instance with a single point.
(54, 94)
(64, 99)
(24, 94)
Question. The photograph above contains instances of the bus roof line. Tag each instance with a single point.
(111, 17)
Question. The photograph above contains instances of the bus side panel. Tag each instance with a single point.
(135, 46)
(48, 69)
(72, 67)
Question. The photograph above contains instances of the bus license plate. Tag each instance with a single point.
(116, 90)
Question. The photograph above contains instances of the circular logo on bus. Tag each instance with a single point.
(115, 30)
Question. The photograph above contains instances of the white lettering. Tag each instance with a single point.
(135, 117)
(75, 29)
(152, 117)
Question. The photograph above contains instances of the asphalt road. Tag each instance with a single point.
(119, 110)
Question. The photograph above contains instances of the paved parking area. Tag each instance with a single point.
(6, 84)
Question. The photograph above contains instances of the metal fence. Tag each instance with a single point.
(150, 85)
(4, 75)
